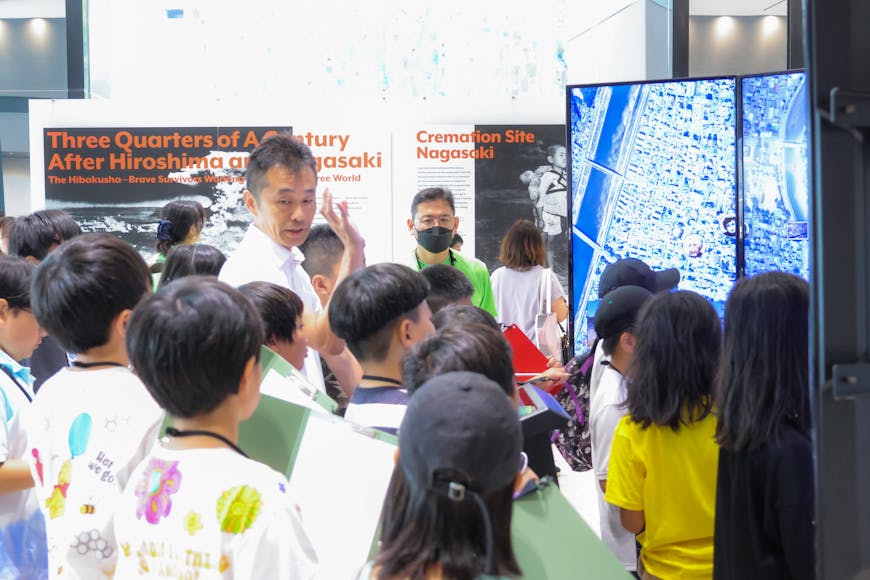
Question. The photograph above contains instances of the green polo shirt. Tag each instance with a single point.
(477, 273)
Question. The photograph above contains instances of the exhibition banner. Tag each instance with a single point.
(116, 174)
(116, 179)
(495, 173)
(355, 164)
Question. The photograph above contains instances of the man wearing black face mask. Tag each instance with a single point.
(433, 223)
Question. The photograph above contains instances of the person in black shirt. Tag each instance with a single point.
(765, 495)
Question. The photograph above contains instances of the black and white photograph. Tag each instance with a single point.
(525, 179)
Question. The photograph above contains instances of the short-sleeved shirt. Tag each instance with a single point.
(23, 550)
(86, 432)
(209, 513)
(518, 296)
(764, 511)
(606, 410)
(260, 258)
(671, 477)
(379, 407)
(477, 273)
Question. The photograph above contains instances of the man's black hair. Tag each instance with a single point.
(15, 275)
(447, 285)
(190, 342)
(463, 314)
(81, 287)
(278, 308)
(280, 150)
(432, 194)
(323, 250)
(367, 305)
(469, 347)
(192, 260)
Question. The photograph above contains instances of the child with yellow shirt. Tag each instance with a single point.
(662, 472)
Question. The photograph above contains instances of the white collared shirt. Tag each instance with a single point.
(260, 258)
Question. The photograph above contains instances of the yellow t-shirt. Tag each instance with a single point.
(671, 477)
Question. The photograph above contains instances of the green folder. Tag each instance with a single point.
(270, 360)
(551, 540)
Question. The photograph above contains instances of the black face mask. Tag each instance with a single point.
(435, 240)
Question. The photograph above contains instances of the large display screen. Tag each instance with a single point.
(775, 174)
(653, 177)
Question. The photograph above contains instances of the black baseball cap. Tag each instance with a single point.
(460, 433)
(618, 310)
(634, 272)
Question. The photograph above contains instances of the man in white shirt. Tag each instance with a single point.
(281, 197)
(614, 325)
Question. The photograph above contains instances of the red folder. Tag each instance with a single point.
(527, 358)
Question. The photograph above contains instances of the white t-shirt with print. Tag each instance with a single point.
(605, 411)
(86, 432)
(22, 528)
(517, 296)
(209, 513)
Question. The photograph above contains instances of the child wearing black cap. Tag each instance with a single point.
(614, 325)
(447, 513)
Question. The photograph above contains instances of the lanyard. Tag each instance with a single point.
(173, 432)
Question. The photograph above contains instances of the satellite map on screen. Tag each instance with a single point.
(653, 177)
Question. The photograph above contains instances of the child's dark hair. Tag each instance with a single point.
(447, 285)
(413, 527)
(367, 305)
(671, 377)
(763, 380)
(192, 260)
(84, 285)
(33, 235)
(473, 347)
(190, 342)
(463, 314)
(15, 275)
(177, 218)
(278, 308)
(322, 249)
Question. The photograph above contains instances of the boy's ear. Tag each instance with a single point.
(396, 456)
(403, 330)
(627, 341)
(4, 307)
(319, 283)
(249, 388)
(119, 325)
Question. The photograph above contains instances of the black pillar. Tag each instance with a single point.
(75, 49)
(838, 58)
(795, 52)
(680, 39)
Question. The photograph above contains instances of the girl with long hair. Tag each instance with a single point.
(764, 497)
(662, 471)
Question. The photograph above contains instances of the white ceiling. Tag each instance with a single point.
(32, 8)
(738, 7)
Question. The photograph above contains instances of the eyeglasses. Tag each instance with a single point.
(426, 222)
